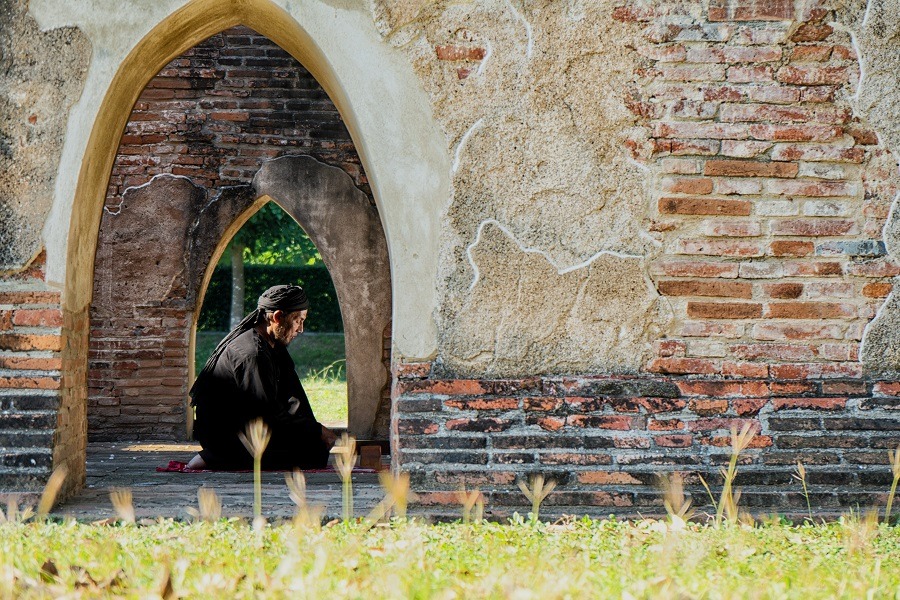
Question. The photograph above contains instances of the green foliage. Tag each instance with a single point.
(272, 237)
(324, 312)
(575, 559)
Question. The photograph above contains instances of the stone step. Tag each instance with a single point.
(26, 458)
(17, 438)
(28, 400)
(14, 480)
(28, 420)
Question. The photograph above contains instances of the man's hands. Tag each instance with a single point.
(328, 437)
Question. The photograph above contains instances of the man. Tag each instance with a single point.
(251, 375)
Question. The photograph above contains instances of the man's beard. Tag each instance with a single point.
(281, 334)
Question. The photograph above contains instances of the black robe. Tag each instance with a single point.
(252, 379)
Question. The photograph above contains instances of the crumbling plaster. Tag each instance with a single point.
(548, 175)
(875, 30)
(371, 83)
(41, 76)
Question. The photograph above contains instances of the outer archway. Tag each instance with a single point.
(398, 142)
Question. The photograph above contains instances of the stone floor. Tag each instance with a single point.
(133, 466)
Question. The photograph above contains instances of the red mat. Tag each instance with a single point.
(176, 466)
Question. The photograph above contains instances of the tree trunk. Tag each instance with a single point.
(237, 284)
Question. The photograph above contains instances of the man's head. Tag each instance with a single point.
(286, 307)
(285, 326)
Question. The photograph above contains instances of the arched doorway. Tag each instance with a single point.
(202, 128)
(400, 146)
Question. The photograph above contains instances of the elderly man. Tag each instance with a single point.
(251, 375)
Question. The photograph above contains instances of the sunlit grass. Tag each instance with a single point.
(319, 358)
(577, 559)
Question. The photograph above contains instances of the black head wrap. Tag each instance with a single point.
(286, 298)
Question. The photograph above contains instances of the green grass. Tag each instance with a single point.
(319, 358)
(577, 559)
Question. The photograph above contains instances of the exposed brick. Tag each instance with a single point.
(608, 478)
(484, 404)
(696, 269)
(748, 407)
(19, 298)
(687, 185)
(605, 422)
(728, 289)
(751, 10)
(744, 369)
(783, 290)
(706, 408)
(453, 52)
(813, 75)
(810, 310)
(791, 248)
(480, 424)
(679, 366)
(724, 310)
(877, 290)
(720, 248)
(571, 458)
(25, 342)
(704, 206)
(44, 317)
(812, 32)
(749, 168)
(815, 227)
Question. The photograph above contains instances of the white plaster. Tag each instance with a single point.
(528, 250)
(488, 51)
(403, 150)
(529, 48)
(462, 142)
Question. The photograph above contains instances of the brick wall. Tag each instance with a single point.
(30, 366)
(768, 198)
(212, 115)
(770, 195)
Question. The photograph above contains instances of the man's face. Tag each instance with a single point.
(288, 326)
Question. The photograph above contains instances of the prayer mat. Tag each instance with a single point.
(176, 466)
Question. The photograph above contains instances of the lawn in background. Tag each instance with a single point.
(320, 360)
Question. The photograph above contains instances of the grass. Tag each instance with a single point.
(574, 559)
(320, 362)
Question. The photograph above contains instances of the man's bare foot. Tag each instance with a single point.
(197, 463)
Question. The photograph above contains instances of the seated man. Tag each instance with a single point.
(250, 375)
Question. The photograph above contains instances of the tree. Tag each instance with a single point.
(270, 237)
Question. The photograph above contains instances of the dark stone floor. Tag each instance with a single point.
(133, 466)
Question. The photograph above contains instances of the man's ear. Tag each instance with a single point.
(278, 316)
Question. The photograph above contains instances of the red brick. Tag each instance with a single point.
(722, 423)
(791, 248)
(814, 189)
(602, 422)
(724, 310)
(812, 32)
(811, 403)
(687, 185)
(30, 383)
(669, 348)
(726, 289)
(816, 370)
(607, 478)
(796, 331)
(712, 131)
(631, 14)
(810, 310)
(726, 228)
(743, 369)
(453, 52)
(26, 298)
(25, 342)
(551, 423)
(709, 72)
(704, 206)
(683, 366)
(749, 168)
(877, 290)
(721, 389)
(813, 269)
(863, 136)
(874, 268)
(783, 290)
(6, 320)
(720, 248)
(818, 153)
(696, 269)
(46, 317)
(815, 227)
(886, 388)
(750, 74)
(658, 405)
(26, 363)
(814, 75)
(674, 441)
(748, 407)
(452, 387)
(418, 370)
(484, 404)
(814, 53)
(844, 388)
(751, 10)
(722, 441)
(542, 404)
(783, 352)
(665, 425)
(480, 424)
(791, 388)
(795, 133)
(706, 408)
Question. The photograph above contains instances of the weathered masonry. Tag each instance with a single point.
(612, 229)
